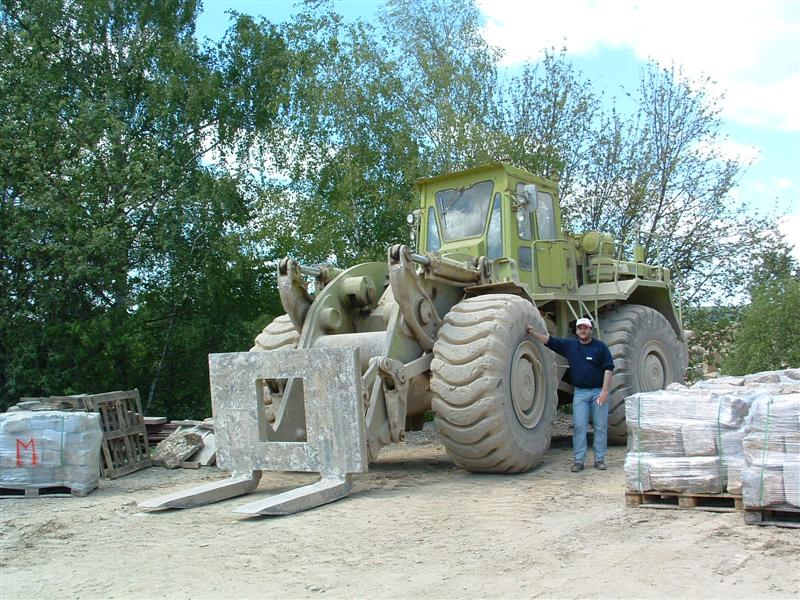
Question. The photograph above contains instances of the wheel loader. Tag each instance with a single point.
(363, 354)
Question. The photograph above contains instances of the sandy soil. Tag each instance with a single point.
(415, 527)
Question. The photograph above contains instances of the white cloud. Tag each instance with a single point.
(772, 105)
(769, 195)
(730, 150)
(752, 49)
(789, 226)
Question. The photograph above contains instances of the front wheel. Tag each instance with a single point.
(494, 387)
(647, 355)
(280, 334)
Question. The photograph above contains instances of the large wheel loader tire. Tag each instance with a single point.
(647, 355)
(494, 386)
(280, 334)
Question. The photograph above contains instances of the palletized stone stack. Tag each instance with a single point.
(771, 477)
(50, 449)
(685, 441)
(690, 440)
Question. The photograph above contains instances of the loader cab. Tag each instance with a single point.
(495, 210)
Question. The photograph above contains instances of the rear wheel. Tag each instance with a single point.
(647, 355)
(494, 387)
(278, 335)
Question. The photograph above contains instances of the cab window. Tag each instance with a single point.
(546, 216)
(524, 228)
(494, 240)
(463, 211)
(433, 242)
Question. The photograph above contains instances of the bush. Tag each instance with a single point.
(768, 335)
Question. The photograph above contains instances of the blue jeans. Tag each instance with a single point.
(584, 401)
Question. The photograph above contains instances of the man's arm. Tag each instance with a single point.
(542, 337)
(603, 397)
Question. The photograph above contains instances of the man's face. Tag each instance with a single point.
(584, 333)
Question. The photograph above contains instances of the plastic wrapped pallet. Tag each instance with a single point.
(41, 449)
(696, 474)
(771, 476)
(687, 440)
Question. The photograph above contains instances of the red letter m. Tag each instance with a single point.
(30, 445)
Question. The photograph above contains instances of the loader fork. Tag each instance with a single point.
(335, 438)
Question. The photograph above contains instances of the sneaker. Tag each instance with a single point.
(577, 467)
(600, 465)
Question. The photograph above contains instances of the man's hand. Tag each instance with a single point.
(603, 397)
(542, 337)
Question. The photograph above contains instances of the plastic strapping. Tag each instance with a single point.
(719, 446)
(639, 442)
(61, 449)
(764, 456)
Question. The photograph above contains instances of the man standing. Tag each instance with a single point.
(591, 368)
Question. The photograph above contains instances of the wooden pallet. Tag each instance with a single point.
(125, 445)
(782, 516)
(705, 502)
(33, 492)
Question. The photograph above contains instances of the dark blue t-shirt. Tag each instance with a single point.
(587, 362)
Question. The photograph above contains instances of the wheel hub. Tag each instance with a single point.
(652, 373)
(527, 385)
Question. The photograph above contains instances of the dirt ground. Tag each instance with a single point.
(415, 526)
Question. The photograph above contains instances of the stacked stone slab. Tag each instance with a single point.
(771, 477)
(46, 449)
(690, 440)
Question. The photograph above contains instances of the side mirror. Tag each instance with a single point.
(533, 198)
(526, 202)
(413, 219)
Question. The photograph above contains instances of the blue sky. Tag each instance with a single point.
(750, 48)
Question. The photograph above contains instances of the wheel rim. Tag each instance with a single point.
(527, 385)
(652, 368)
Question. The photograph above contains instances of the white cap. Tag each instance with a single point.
(583, 321)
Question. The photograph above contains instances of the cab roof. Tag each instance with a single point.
(492, 166)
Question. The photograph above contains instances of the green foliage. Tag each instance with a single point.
(767, 336)
(712, 330)
(122, 252)
(148, 180)
(543, 122)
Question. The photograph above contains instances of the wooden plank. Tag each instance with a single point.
(10, 491)
(191, 423)
(677, 500)
(632, 499)
(111, 396)
(783, 516)
(130, 431)
(150, 421)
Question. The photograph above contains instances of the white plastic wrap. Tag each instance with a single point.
(687, 440)
(50, 449)
(771, 477)
(695, 474)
